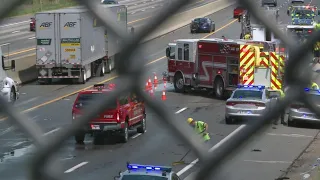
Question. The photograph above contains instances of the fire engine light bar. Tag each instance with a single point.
(148, 167)
(251, 86)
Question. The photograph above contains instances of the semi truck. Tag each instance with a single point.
(72, 44)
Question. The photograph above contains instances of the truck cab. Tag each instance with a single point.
(126, 112)
(8, 87)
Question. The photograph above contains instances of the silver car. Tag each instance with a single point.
(297, 1)
(246, 102)
(269, 2)
(299, 112)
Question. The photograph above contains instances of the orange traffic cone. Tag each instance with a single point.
(147, 86)
(151, 92)
(149, 83)
(163, 97)
(164, 84)
(155, 81)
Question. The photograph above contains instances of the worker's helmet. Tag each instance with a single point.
(189, 120)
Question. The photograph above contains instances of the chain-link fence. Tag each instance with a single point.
(296, 78)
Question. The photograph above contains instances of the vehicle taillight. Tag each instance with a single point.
(296, 106)
(231, 103)
(118, 117)
(309, 31)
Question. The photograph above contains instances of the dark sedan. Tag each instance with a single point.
(109, 2)
(202, 25)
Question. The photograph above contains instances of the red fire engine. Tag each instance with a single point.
(127, 112)
(221, 65)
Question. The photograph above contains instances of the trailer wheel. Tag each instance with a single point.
(219, 88)
(102, 69)
(108, 66)
(83, 76)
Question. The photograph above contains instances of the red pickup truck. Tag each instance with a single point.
(128, 112)
(238, 11)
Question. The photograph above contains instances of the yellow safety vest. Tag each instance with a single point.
(247, 36)
(199, 128)
(314, 86)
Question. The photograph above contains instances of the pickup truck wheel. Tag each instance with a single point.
(228, 120)
(80, 138)
(143, 128)
(13, 96)
(179, 83)
(125, 133)
(219, 89)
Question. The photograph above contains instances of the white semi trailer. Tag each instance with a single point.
(71, 44)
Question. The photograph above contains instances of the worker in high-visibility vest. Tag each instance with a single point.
(317, 45)
(314, 85)
(247, 36)
(200, 127)
(282, 114)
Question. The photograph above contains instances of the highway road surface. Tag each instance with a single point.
(17, 40)
(50, 107)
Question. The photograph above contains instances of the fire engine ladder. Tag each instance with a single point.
(245, 24)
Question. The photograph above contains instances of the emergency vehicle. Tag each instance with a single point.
(221, 65)
(127, 112)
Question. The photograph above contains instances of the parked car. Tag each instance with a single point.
(269, 2)
(238, 11)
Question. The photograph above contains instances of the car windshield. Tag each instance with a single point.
(303, 14)
(200, 20)
(142, 177)
(85, 99)
(250, 94)
(109, 2)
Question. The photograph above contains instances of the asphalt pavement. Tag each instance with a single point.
(17, 40)
(156, 146)
(50, 107)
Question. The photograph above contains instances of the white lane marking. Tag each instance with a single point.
(15, 32)
(290, 135)
(269, 162)
(18, 143)
(183, 109)
(5, 44)
(12, 24)
(7, 130)
(135, 136)
(52, 131)
(76, 167)
(31, 37)
(185, 169)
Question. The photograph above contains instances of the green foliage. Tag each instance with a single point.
(33, 6)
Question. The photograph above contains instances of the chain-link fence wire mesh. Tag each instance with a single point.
(297, 76)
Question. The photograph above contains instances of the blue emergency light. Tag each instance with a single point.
(308, 89)
(251, 86)
(149, 167)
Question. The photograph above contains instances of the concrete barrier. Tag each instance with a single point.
(25, 66)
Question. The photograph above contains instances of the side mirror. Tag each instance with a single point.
(168, 52)
(13, 65)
